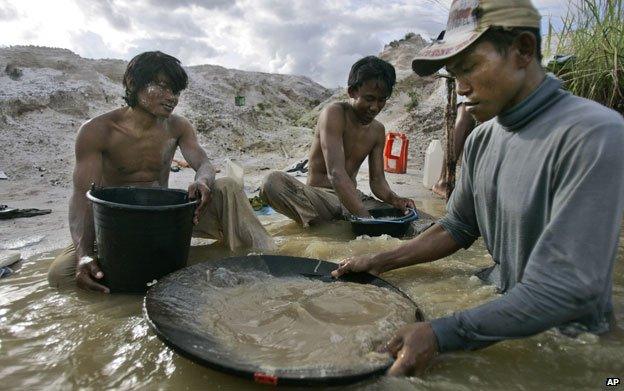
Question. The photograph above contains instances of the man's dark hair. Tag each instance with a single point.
(503, 38)
(372, 67)
(145, 67)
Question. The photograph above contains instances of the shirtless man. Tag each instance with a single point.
(134, 146)
(346, 134)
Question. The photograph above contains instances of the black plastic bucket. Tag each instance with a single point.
(180, 293)
(142, 234)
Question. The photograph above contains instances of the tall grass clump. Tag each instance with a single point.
(593, 32)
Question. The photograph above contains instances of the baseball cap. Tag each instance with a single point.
(468, 20)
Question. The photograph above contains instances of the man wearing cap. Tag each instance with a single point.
(542, 182)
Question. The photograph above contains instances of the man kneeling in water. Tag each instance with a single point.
(542, 181)
(134, 146)
(347, 133)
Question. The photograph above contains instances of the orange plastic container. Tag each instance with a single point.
(395, 153)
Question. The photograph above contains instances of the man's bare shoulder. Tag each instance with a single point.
(332, 118)
(179, 124)
(102, 122)
(379, 130)
(97, 130)
(378, 126)
(335, 109)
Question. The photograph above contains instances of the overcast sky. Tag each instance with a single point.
(316, 38)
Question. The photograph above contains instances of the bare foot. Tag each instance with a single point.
(439, 189)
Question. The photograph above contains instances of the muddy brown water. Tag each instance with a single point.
(293, 323)
(78, 340)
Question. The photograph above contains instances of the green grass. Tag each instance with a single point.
(593, 31)
(413, 101)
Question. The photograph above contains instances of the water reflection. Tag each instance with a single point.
(76, 339)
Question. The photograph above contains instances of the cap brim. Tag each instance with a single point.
(433, 57)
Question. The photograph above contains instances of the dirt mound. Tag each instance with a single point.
(400, 53)
(273, 103)
(49, 92)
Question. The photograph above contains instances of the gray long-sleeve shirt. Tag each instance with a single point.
(543, 183)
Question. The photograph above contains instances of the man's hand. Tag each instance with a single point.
(403, 204)
(199, 190)
(363, 213)
(363, 263)
(413, 346)
(87, 272)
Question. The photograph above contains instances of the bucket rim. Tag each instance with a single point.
(117, 205)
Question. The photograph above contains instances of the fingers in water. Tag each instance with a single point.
(87, 283)
(343, 267)
(394, 345)
(95, 271)
(399, 368)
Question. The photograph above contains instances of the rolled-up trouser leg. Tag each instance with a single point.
(230, 219)
(302, 203)
(62, 271)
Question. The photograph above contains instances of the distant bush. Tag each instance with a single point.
(263, 106)
(309, 118)
(202, 124)
(413, 102)
(593, 32)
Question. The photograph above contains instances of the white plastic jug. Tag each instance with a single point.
(235, 170)
(433, 163)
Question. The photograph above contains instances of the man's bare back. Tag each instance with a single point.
(358, 141)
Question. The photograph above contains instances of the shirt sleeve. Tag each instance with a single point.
(571, 264)
(460, 220)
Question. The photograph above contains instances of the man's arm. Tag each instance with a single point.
(415, 345)
(88, 170)
(457, 229)
(378, 183)
(331, 129)
(197, 158)
(567, 272)
(572, 261)
(435, 243)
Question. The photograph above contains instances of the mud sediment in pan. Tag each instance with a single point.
(299, 325)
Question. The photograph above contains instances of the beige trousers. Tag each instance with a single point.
(306, 204)
(229, 218)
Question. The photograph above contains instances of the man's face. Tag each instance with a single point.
(489, 80)
(368, 100)
(157, 97)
